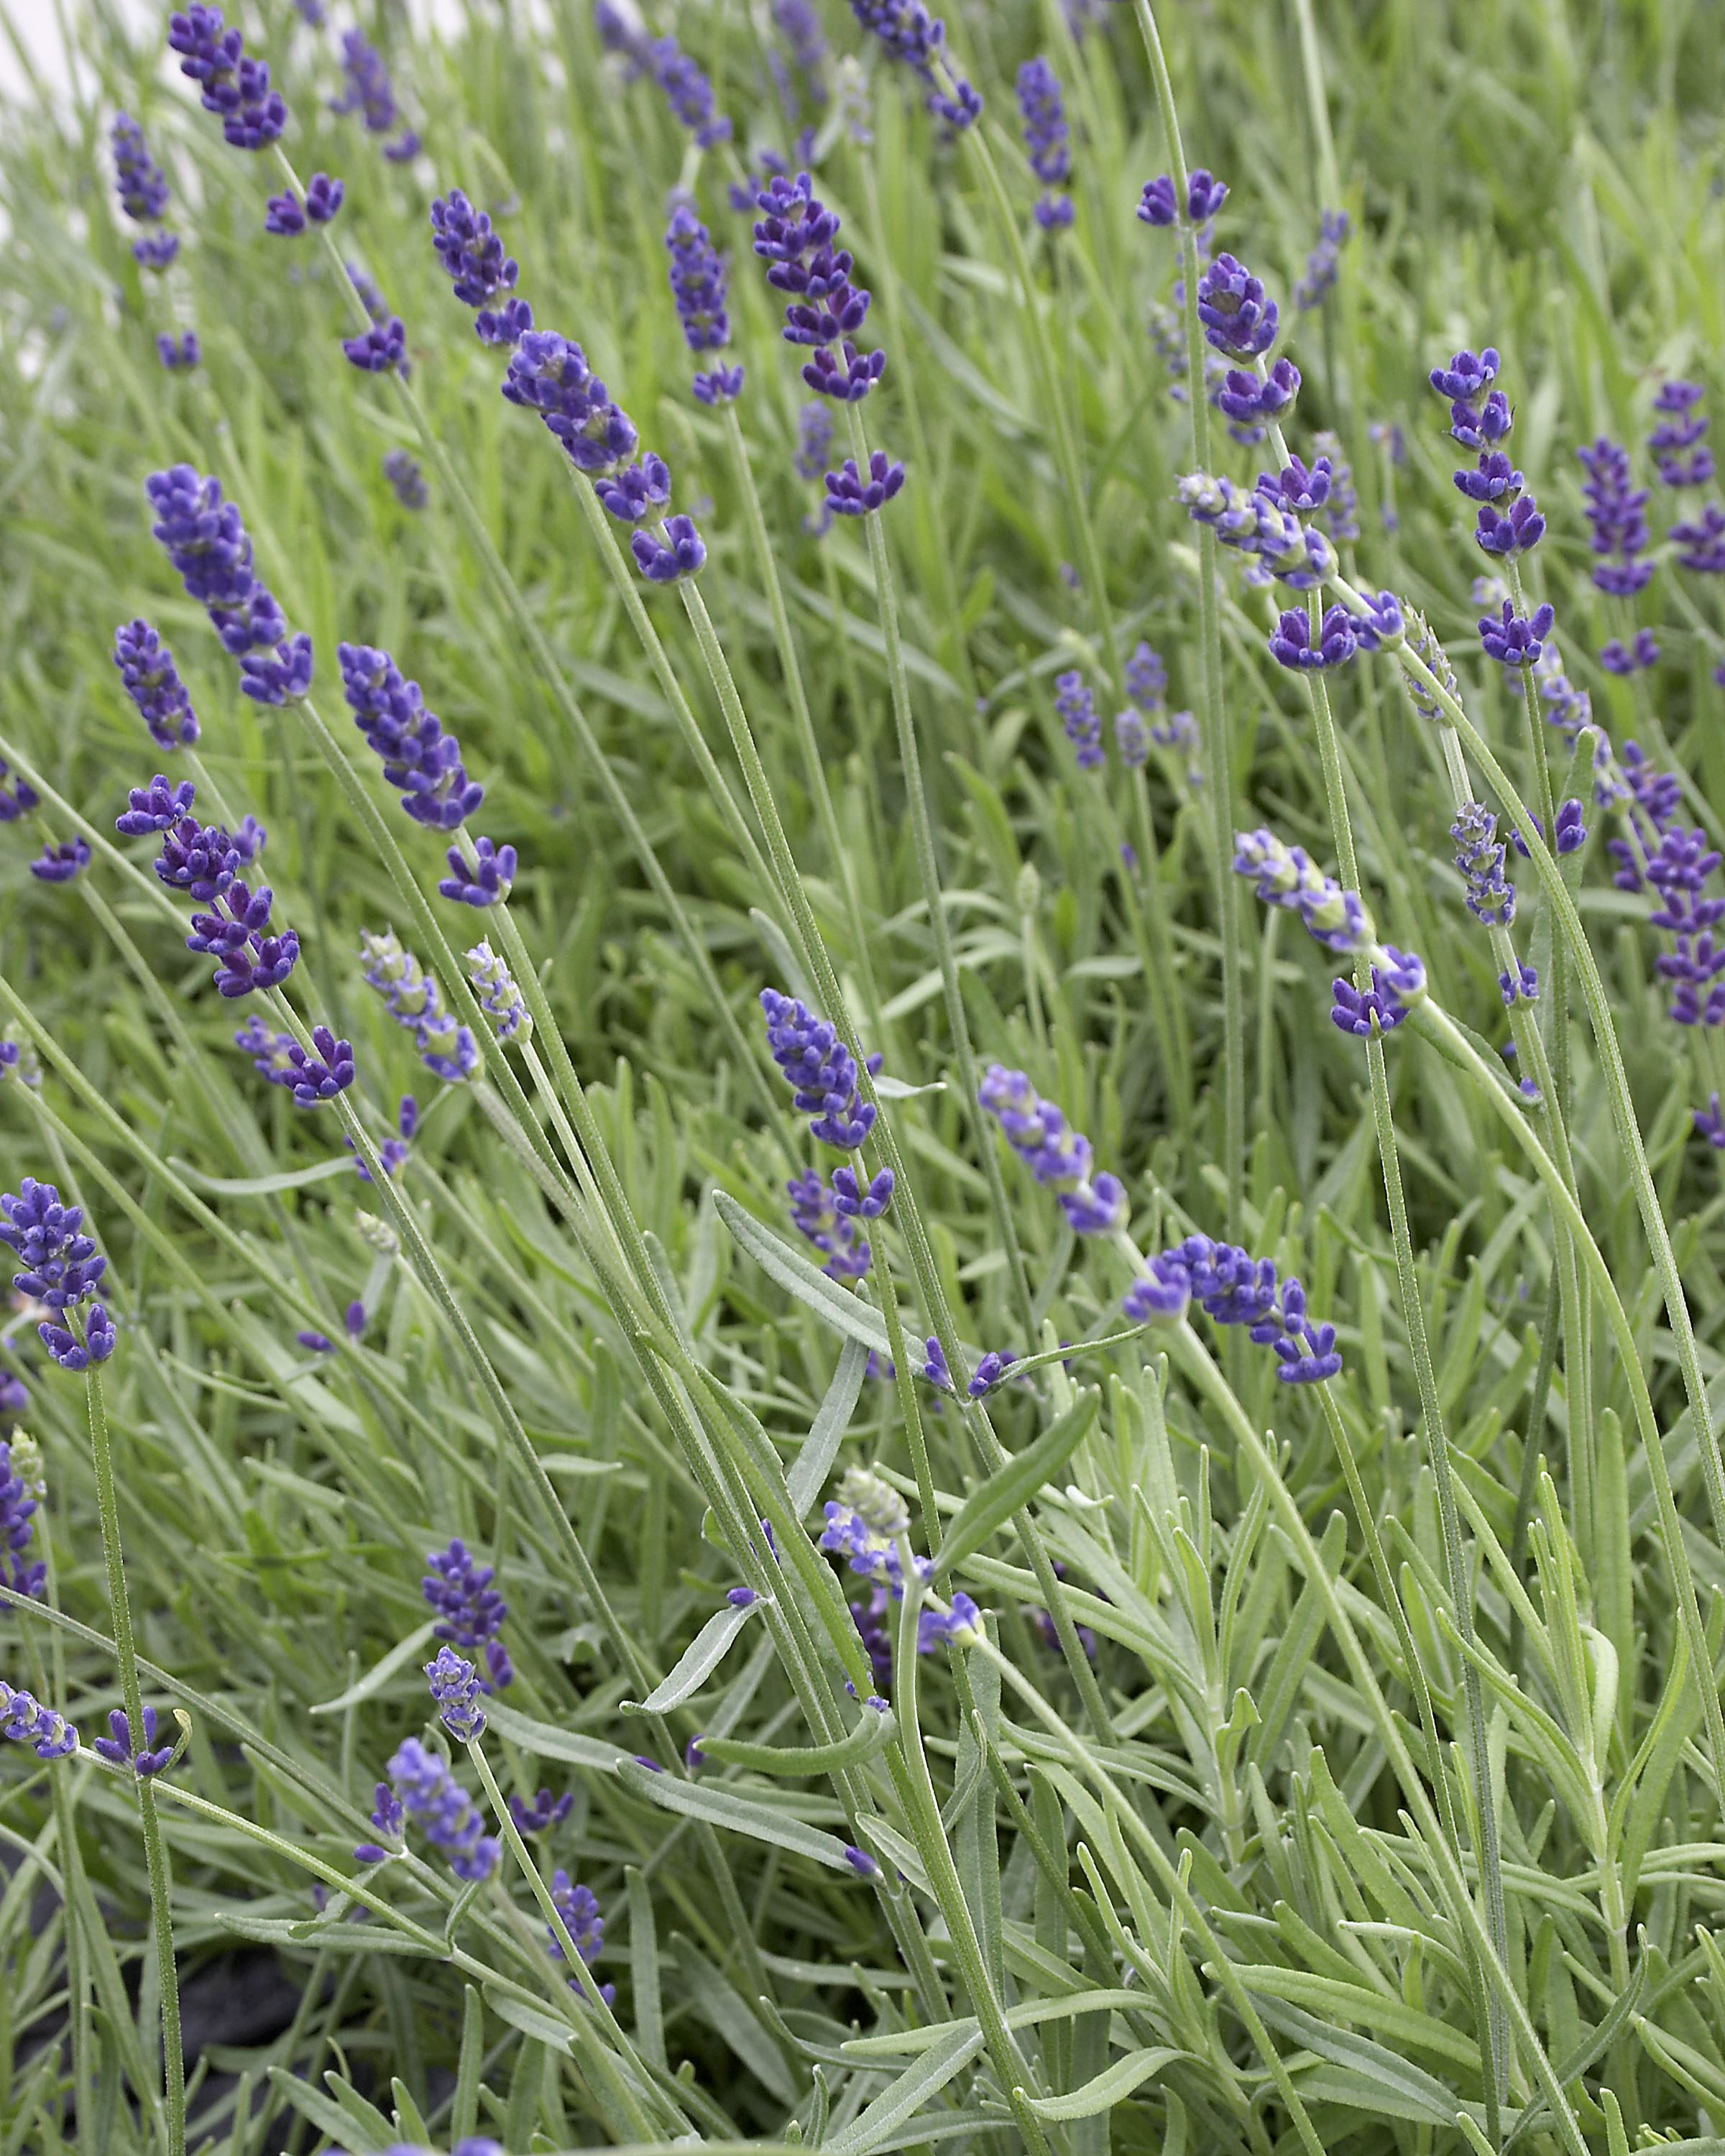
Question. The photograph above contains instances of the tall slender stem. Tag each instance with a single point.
(1218, 748)
(174, 2062)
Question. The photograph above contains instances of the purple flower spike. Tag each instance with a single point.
(1501, 535)
(62, 863)
(681, 552)
(850, 494)
(179, 355)
(1382, 627)
(235, 87)
(320, 1075)
(910, 34)
(137, 177)
(1246, 399)
(156, 250)
(26, 1720)
(503, 328)
(1291, 645)
(469, 250)
(1237, 318)
(1467, 377)
(698, 281)
(381, 350)
(638, 490)
(821, 1070)
(1514, 639)
(859, 1204)
(280, 675)
(283, 216)
(425, 1785)
(455, 1693)
(1204, 195)
(118, 1750)
(544, 1813)
(861, 1863)
(829, 1223)
(990, 1372)
(487, 881)
(146, 667)
(1075, 706)
(1156, 206)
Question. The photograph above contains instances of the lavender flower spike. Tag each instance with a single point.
(456, 1691)
(1046, 139)
(910, 34)
(1288, 876)
(1514, 639)
(152, 681)
(498, 994)
(117, 1747)
(26, 1720)
(1056, 1155)
(423, 1785)
(19, 1501)
(61, 1267)
(821, 1070)
(234, 86)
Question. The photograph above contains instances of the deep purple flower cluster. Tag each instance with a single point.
(1233, 1288)
(1047, 140)
(848, 494)
(17, 799)
(17, 1507)
(1382, 1007)
(26, 1720)
(421, 760)
(424, 1786)
(794, 238)
(1680, 430)
(483, 880)
(1238, 318)
(1480, 856)
(455, 1689)
(179, 355)
(543, 1812)
(470, 251)
(830, 1223)
(143, 193)
(1059, 1158)
(1618, 657)
(247, 957)
(1617, 513)
(910, 34)
(698, 283)
(405, 476)
(1700, 543)
(1321, 264)
(286, 216)
(1570, 709)
(1678, 871)
(1286, 875)
(316, 1076)
(471, 1610)
(61, 1266)
(118, 1749)
(1292, 643)
(1338, 513)
(61, 862)
(233, 86)
(381, 349)
(990, 1371)
(1075, 706)
(1206, 195)
(372, 95)
(1515, 640)
(820, 1069)
(152, 681)
(445, 1048)
(1260, 524)
(864, 1525)
(688, 92)
(1509, 522)
(206, 542)
(550, 376)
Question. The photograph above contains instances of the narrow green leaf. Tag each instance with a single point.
(698, 1658)
(375, 1678)
(724, 2010)
(1112, 2086)
(343, 2129)
(832, 1304)
(549, 1743)
(871, 1734)
(539, 2024)
(262, 1186)
(1427, 2100)
(1012, 1488)
(644, 1968)
(906, 2095)
(722, 1807)
(820, 1448)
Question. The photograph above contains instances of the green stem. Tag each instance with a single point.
(1217, 747)
(173, 2064)
(1431, 1406)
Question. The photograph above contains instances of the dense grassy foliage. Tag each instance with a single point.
(1285, 1848)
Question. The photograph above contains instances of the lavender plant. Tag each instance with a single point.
(851, 1483)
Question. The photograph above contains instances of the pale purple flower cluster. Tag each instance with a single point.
(1635, 657)
(372, 95)
(1261, 524)
(316, 1075)
(1075, 706)
(1568, 709)
(411, 997)
(1059, 1158)
(1480, 856)
(406, 478)
(864, 1525)
(423, 1785)
(1322, 263)
(1700, 543)
(1286, 875)
(700, 285)
(543, 1812)
(828, 1215)
(26, 1720)
(179, 355)
(1233, 1288)
(455, 1688)
(17, 1507)
(1381, 1007)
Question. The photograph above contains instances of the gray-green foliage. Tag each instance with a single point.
(1219, 1895)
